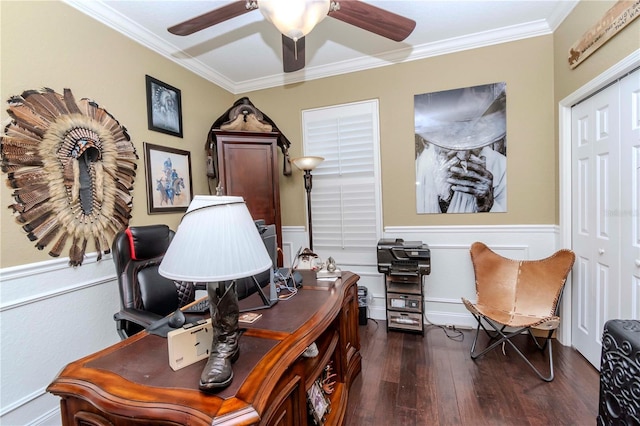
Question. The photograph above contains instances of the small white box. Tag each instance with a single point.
(189, 344)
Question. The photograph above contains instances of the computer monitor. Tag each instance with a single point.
(258, 283)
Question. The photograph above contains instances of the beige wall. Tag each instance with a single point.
(51, 44)
(527, 68)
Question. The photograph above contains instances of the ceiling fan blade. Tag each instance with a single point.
(209, 19)
(292, 54)
(373, 19)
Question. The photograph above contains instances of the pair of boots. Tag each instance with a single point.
(223, 304)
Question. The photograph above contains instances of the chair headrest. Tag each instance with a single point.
(146, 242)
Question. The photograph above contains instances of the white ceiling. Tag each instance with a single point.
(244, 53)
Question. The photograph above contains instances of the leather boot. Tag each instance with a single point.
(224, 309)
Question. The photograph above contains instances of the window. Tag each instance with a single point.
(345, 200)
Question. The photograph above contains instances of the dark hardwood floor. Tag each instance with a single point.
(409, 380)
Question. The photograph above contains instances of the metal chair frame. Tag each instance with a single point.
(498, 333)
(515, 278)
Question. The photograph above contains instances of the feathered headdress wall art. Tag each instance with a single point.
(72, 167)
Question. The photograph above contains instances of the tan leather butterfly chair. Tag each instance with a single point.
(516, 296)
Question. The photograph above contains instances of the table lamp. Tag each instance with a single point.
(217, 241)
(307, 164)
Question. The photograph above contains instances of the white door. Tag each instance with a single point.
(605, 176)
(595, 159)
(630, 196)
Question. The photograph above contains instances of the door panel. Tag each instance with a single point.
(630, 199)
(595, 173)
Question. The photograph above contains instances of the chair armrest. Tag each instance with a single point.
(142, 318)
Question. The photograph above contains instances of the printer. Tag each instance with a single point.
(399, 257)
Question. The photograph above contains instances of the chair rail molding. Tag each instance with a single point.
(451, 271)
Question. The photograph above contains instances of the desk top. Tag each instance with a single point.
(135, 373)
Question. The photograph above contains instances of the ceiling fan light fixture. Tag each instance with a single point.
(294, 18)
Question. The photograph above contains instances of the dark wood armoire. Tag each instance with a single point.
(248, 167)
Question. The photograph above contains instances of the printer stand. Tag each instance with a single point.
(403, 264)
(405, 302)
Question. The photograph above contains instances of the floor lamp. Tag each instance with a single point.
(306, 164)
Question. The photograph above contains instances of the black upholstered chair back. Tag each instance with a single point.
(145, 295)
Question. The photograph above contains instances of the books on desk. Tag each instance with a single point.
(249, 317)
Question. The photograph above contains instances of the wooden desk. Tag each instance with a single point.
(131, 382)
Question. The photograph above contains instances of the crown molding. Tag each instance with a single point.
(120, 23)
(125, 26)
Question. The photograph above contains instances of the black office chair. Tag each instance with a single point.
(145, 295)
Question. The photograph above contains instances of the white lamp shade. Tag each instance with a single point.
(294, 18)
(217, 240)
(307, 163)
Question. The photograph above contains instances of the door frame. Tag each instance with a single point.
(617, 71)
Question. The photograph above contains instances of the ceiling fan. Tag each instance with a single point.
(362, 15)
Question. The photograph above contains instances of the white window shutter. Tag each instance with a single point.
(345, 202)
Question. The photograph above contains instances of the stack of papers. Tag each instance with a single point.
(323, 273)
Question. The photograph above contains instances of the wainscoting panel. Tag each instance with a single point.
(451, 271)
(50, 314)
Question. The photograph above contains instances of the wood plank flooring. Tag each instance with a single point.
(408, 379)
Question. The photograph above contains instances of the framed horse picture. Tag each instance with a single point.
(168, 173)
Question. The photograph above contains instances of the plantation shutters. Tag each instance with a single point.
(345, 198)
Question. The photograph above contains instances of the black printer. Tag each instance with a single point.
(399, 257)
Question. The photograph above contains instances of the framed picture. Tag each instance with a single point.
(168, 173)
(461, 136)
(318, 403)
(164, 107)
